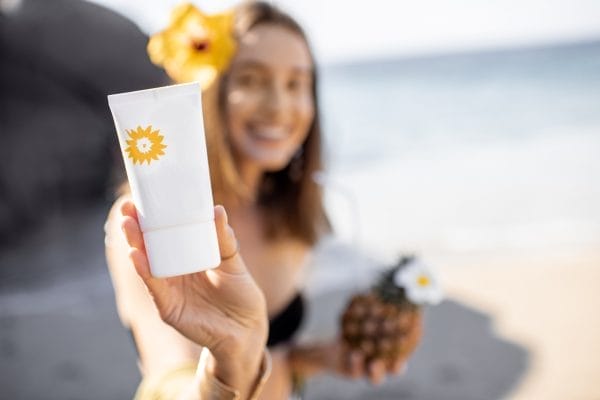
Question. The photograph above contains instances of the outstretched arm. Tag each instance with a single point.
(222, 309)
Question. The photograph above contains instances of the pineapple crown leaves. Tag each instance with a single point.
(388, 290)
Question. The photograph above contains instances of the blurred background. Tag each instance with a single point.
(467, 132)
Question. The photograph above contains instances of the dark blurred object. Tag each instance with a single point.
(58, 61)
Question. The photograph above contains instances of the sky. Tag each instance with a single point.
(347, 30)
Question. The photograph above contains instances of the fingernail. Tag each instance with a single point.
(225, 216)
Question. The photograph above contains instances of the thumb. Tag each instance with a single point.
(228, 245)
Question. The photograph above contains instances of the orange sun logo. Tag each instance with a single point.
(144, 144)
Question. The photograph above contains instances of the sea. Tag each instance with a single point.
(469, 152)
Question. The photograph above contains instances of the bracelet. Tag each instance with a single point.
(211, 388)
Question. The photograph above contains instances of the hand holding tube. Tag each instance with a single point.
(221, 309)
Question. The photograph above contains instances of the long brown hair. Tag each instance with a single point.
(290, 199)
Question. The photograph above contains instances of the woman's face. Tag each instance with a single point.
(269, 93)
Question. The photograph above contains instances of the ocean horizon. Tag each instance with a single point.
(492, 150)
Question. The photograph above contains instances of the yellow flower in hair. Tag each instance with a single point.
(195, 46)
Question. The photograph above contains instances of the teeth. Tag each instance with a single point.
(270, 133)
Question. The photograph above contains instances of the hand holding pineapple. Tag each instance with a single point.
(381, 329)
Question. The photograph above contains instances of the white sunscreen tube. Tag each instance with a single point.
(161, 134)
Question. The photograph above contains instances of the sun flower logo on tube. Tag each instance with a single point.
(144, 144)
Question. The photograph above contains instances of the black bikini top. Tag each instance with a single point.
(284, 325)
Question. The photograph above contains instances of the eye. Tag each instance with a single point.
(297, 84)
(249, 80)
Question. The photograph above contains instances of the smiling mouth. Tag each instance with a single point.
(269, 133)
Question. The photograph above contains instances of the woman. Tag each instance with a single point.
(264, 145)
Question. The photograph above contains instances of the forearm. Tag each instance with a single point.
(241, 372)
(196, 381)
(306, 361)
(218, 381)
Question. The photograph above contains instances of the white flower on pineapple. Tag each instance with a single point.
(419, 282)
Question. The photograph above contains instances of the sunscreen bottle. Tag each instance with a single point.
(161, 135)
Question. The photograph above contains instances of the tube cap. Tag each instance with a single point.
(182, 249)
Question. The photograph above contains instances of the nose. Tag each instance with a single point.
(276, 101)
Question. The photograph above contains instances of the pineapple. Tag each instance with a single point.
(377, 322)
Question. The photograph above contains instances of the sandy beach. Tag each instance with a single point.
(548, 302)
(513, 325)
